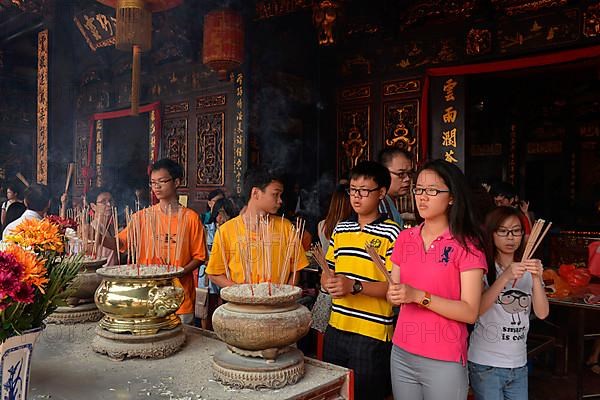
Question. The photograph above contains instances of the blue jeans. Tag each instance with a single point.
(493, 383)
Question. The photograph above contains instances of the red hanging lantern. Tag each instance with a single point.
(223, 44)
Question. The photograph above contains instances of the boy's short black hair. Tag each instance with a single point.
(259, 178)
(373, 170)
(215, 193)
(387, 154)
(92, 195)
(174, 169)
(37, 197)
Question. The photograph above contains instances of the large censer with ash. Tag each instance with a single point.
(139, 300)
(261, 320)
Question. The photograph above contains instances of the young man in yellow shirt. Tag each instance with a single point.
(232, 250)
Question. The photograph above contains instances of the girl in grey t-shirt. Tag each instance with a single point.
(498, 350)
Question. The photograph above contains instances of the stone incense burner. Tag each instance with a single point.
(259, 323)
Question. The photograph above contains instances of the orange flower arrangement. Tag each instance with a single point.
(34, 269)
(35, 276)
(40, 235)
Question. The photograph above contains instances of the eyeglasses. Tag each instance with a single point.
(360, 192)
(402, 174)
(428, 191)
(503, 232)
(159, 183)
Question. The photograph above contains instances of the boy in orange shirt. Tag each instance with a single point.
(187, 251)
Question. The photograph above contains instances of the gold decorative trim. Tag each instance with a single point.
(512, 7)
(99, 135)
(401, 124)
(355, 93)
(175, 144)
(210, 149)
(152, 138)
(396, 88)
(353, 138)
(550, 147)
(42, 108)
(174, 108)
(512, 155)
(485, 150)
(591, 21)
(238, 135)
(210, 101)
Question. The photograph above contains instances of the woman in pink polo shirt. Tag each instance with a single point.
(439, 267)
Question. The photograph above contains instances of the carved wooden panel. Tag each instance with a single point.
(211, 101)
(175, 132)
(354, 131)
(401, 124)
(174, 108)
(81, 150)
(395, 88)
(355, 93)
(210, 149)
(42, 108)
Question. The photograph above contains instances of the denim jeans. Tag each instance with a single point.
(493, 383)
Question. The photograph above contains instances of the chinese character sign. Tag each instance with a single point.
(447, 117)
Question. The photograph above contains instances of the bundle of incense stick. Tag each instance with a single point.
(223, 255)
(70, 170)
(319, 256)
(293, 246)
(181, 231)
(244, 246)
(372, 251)
(115, 216)
(22, 179)
(538, 232)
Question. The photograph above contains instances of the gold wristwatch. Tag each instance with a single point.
(426, 300)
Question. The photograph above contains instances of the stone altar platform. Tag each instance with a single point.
(64, 367)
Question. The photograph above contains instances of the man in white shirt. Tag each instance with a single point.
(37, 200)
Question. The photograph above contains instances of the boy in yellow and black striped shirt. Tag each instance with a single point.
(361, 322)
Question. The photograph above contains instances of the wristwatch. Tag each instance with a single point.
(426, 300)
(357, 287)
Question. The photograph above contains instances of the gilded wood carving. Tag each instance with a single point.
(355, 93)
(99, 136)
(353, 135)
(210, 149)
(239, 154)
(395, 88)
(211, 101)
(42, 108)
(175, 108)
(401, 124)
(175, 143)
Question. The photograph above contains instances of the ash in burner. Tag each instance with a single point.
(142, 271)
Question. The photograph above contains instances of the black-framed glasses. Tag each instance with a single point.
(503, 232)
(402, 174)
(159, 183)
(360, 192)
(428, 191)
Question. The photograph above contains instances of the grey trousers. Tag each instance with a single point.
(420, 378)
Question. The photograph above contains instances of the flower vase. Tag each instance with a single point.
(15, 362)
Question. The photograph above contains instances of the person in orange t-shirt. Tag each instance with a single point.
(169, 221)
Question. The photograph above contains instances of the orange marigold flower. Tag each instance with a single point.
(34, 269)
(40, 235)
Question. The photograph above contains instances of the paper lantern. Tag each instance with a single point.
(223, 44)
(134, 33)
